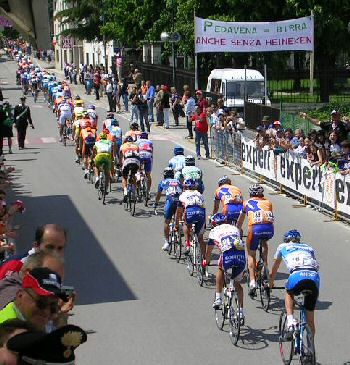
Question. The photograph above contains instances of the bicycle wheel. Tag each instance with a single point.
(198, 261)
(234, 316)
(178, 247)
(189, 262)
(133, 200)
(171, 242)
(265, 293)
(221, 314)
(104, 187)
(286, 347)
(307, 347)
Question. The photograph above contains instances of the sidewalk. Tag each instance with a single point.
(176, 134)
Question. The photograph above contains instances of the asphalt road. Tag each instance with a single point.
(142, 306)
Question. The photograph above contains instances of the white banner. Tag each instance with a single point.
(296, 173)
(286, 35)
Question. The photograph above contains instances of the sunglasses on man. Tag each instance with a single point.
(42, 303)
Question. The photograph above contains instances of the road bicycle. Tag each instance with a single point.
(302, 344)
(230, 309)
(130, 204)
(262, 280)
(175, 240)
(102, 184)
(194, 257)
(67, 132)
(142, 188)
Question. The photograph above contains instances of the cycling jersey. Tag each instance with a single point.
(145, 148)
(88, 135)
(172, 189)
(65, 108)
(258, 210)
(232, 201)
(193, 202)
(107, 123)
(227, 238)
(129, 149)
(191, 198)
(177, 163)
(103, 146)
(297, 256)
(116, 132)
(192, 172)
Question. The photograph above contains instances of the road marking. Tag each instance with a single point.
(48, 140)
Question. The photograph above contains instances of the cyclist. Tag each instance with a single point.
(103, 155)
(117, 133)
(92, 115)
(230, 197)
(260, 228)
(130, 160)
(108, 121)
(228, 240)
(177, 163)
(303, 275)
(133, 132)
(172, 188)
(146, 156)
(191, 208)
(88, 136)
(65, 113)
(190, 171)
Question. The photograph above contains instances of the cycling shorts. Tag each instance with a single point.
(232, 212)
(130, 164)
(64, 117)
(305, 280)
(259, 232)
(103, 158)
(147, 163)
(170, 208)
(234, 259)
(195, 215)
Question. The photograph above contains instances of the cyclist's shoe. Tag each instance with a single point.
(217, 303)
(96, 182)
(241, 316)
(60, 139)
(166, 246)
(187, 250)
(252, 292)
(86, 173)
(204, 263)
(125, 198)
(77, 160)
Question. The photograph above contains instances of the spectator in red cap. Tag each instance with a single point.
(202, 103)
(201, 129)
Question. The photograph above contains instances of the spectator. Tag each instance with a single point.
(97, 83)
(261, 139)
(22, 117)
(158, 104)
(265, 122)
(109, 93)
(176, 106)
(37, 300)
(201, 130)
(344, 161)
(150, 100)
(141, 103)
(165, 104)
(135, 115)
(125, 95)
(88, 82)
(335, 124)
(137, 78)
(201, 101)
(334, 147)
(190, 108)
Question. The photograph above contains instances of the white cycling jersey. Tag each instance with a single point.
(227, 236)
(297, 256)
(192, 198)
(192, 172)
(177, 163)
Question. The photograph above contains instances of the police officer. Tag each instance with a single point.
(22, 118)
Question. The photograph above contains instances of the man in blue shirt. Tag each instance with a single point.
(150, 100)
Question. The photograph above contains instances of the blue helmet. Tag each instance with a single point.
(143, 135)
(114, 123)
(168, 173)
(178, 150)
(224, 180)
(190, 184)
(292, 235)
(91, 107)
(217, 219)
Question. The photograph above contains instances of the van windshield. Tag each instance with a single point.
(235, 89)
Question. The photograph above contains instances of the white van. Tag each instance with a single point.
(234, 85)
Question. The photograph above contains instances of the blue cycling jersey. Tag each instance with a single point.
(171, 187)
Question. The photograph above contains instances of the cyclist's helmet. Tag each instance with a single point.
(134, 126)
(103, 135)
(79, 103)
(292, 235)
(91, 106)
(168, 173)
(77, 97)
(128, 139)
(144, 135)
(217, 219)
(114, 122)
(256, 190)
(224, 180)
(110, 115)
(178, 150)
(190, 184)
(190, 160)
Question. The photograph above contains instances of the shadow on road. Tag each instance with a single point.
(87, 267)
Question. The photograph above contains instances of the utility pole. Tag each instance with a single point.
(173, 49)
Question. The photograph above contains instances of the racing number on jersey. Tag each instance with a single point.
(261, 216)
(228, 242)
